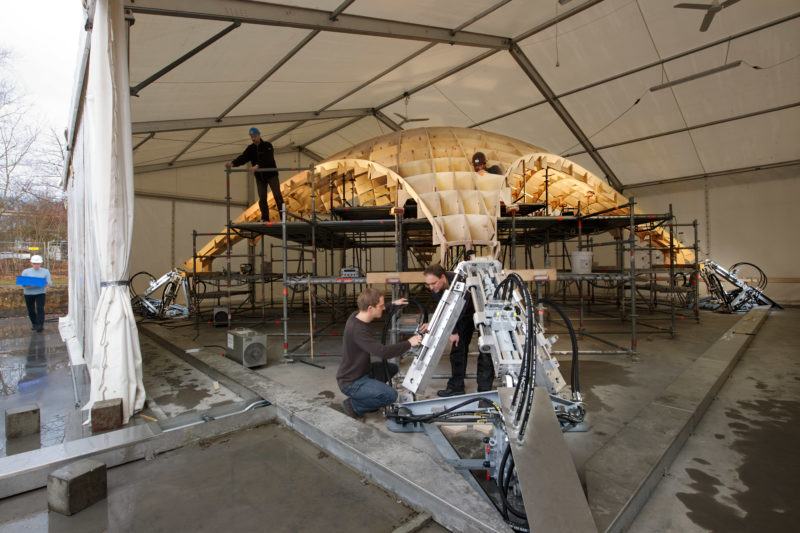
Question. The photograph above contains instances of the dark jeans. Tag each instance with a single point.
(274, 184)
(367, 394)
(458, 365)
(35, 303)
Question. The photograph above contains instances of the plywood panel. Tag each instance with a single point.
(456, 228)
(451, 203)
(446, 181)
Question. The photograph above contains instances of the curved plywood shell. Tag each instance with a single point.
(432, 166)
(570, 185)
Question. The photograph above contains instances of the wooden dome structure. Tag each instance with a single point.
(432, 166)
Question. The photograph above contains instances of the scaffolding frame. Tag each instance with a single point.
(412, 237)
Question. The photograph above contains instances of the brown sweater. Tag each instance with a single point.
(358, 346)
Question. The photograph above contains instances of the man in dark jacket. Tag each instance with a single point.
(364, 393)
(438, 281)
(260, 154)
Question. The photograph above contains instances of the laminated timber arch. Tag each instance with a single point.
(432, 166)
(570, 185)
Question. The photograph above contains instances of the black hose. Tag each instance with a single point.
(762, 279)
(574, 372)
(504, 485)
(525, 386)
(388, 320)
(524, 389)
(499, 481)
(434, 416)
(130, 282)
(504, 286)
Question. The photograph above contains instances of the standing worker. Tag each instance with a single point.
(364, 392)
(35, 294)
(438, 281)
(261, 155)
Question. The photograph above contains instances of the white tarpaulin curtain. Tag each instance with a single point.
(101, 193)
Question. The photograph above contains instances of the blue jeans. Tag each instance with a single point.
(367, 394)
(35, 304)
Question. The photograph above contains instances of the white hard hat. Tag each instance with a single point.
(37, 259)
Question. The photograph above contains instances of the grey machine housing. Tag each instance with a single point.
(248, 347)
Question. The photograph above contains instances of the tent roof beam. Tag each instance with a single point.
(157, 126)
(312, 19)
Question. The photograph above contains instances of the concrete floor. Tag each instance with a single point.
(742, 450)
(264, 479)
(740, 471)
(35, 369)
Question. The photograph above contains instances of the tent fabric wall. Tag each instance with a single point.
(101, 221)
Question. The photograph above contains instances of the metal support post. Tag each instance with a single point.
(251, 284)
(285, 286)
(696, 274)
(263, 283)
(513, 258)
(672, 253)
(313, 289)
(546, 191)
(228, 237)
(634, 341)
(196, 302)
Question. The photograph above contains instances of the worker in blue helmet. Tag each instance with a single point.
(261, 155)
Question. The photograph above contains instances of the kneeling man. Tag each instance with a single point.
(364, 393)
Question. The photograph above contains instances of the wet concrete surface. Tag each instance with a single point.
(35, 370)
(175, 386)
(263, 479)
(739, 470)
(615, 388)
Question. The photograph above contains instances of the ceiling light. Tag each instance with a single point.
(726, 66)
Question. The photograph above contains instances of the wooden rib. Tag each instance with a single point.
(426, 164)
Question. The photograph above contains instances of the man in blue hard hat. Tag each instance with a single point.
(261, 155)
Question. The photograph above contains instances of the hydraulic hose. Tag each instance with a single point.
(402, 419)
(762, 277)
(523, 392)
(574, 373)
(503, 482)
(388, 320)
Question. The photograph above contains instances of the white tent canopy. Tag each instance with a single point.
(574, 77)
(639, 92)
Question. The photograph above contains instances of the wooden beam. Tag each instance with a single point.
(394, 278)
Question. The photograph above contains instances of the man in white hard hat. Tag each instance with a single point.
(35, 294)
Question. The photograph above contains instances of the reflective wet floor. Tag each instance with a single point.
(263, 479)
(35, 370)
(737, 470)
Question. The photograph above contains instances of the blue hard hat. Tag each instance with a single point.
(254, 131)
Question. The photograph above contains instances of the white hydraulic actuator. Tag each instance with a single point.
(500, 323)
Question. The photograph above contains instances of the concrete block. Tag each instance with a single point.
(76, 486)
(107, 414)
(22, 421)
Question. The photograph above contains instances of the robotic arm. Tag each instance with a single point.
(501, 320)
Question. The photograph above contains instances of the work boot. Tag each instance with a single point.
(449, 392)
(348, 409)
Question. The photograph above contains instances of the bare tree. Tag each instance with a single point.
(16, 144)
(30, 168)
